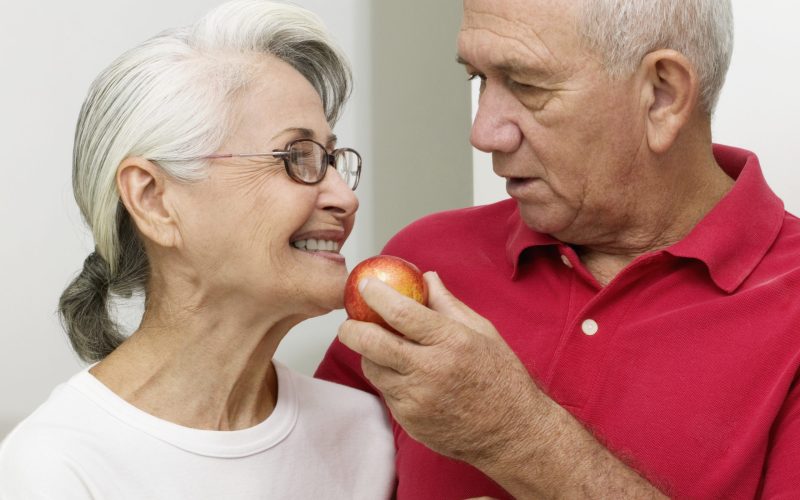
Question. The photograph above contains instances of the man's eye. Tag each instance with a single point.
(515, 85)
(482, 78)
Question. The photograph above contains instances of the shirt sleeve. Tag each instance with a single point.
(781, 479)
(31, 470)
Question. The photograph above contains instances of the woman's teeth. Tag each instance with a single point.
(316, 245)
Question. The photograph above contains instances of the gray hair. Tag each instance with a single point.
(170, 98)
(624, 31)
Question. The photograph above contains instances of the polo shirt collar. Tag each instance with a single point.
(520, 238)
(730, 240)
(735, 235)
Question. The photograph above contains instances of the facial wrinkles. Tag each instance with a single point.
(490, 60)
(528, 45)
(606, 208)
(249, 177)
(489, 41)
(242, 188)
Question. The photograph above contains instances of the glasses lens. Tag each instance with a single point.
(348, 165)
(306, 159)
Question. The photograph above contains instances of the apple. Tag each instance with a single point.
(398, 273)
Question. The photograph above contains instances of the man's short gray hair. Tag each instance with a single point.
(624, 31)
(171, 98)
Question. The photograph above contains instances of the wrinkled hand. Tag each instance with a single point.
(452, 382)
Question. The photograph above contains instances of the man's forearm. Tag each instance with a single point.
(556, 457)
(455, 385)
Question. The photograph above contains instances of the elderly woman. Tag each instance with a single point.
(206, 167)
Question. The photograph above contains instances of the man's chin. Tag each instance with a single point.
(541, 220)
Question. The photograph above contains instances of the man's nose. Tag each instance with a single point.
(494, 129)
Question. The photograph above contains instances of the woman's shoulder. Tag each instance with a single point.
(336, 408)
(353, 422)
(322, 393)
(44, 445)
(345, 431)
(35, 463)
(65, 413)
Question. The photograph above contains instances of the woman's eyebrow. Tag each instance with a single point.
(305, 133)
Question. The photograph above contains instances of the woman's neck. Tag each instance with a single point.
(206, 368)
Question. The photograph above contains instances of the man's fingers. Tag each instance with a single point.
(377, 344)
(386, 380)
(407, 316)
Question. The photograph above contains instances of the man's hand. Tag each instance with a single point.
(454, 385)
(452, 382)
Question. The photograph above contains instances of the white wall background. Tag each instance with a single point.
(759, 108)
(50, 53)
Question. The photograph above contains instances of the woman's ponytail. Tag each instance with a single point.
(83, 306)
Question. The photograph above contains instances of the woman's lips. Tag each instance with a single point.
(327, 249)
(320, 243)
(333, 257)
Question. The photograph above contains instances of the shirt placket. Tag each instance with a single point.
(592, 320)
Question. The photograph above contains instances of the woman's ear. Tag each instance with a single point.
(672, 92)
(143, 190)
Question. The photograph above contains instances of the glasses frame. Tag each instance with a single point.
(329, 160)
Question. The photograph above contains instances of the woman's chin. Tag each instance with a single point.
(334, 302)
(322, 304)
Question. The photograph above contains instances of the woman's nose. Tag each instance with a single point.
(336, 196)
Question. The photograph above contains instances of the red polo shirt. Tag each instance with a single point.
(685, 365)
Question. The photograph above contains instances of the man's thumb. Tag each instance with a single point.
(441, 300)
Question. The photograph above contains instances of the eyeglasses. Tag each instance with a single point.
(306, 161)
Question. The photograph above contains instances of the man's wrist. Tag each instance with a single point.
(529, 443)
(553, 455)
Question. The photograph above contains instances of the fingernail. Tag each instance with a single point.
(434, 275)
(362, 284)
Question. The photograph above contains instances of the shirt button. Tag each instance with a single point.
(589, 327)
(566, 261)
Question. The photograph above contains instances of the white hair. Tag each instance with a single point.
(624, 31)
(169, 99)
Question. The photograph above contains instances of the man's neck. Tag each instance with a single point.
(683, 200)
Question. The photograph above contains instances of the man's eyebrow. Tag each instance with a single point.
(511, 67)
(305, 133)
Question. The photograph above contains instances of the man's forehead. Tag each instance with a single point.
(516, 34)
(539, 15)
(512, 7)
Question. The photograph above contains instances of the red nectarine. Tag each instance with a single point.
(398, 273)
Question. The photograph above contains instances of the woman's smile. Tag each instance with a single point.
(325, 244)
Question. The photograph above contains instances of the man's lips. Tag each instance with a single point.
(519, 187)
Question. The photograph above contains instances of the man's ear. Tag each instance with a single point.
(671, 90)
(143, 190)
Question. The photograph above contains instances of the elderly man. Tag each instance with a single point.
(644, 283)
